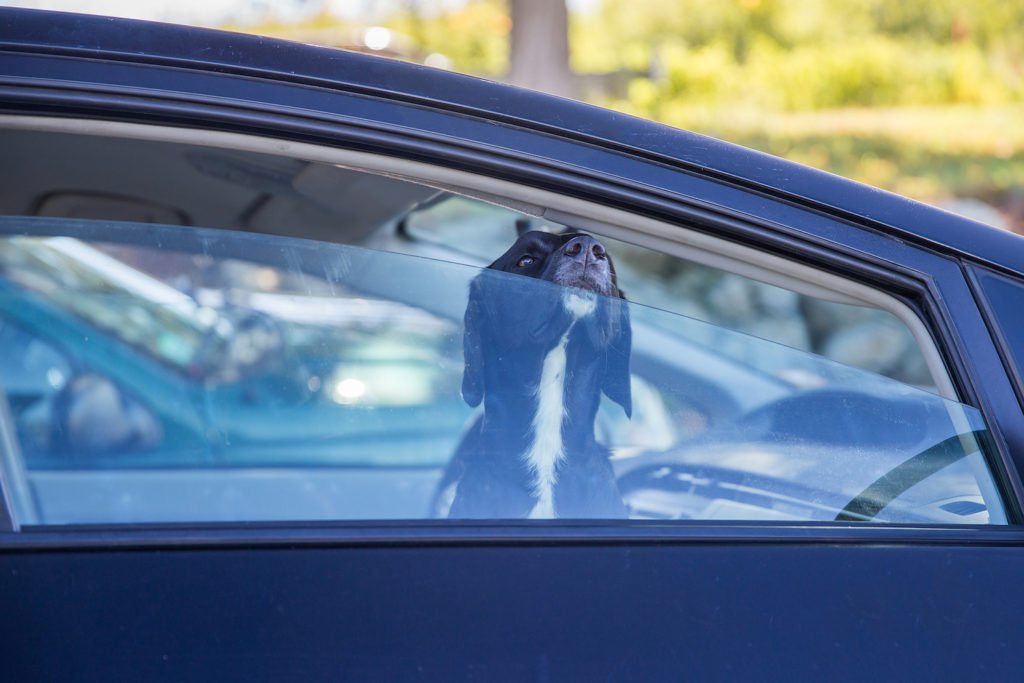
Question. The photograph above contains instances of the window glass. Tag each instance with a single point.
(861, 336)
(165, 374)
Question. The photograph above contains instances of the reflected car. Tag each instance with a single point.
(235, 287)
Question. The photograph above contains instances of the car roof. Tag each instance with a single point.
(207, 49)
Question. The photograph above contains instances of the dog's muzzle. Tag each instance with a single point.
(583, 263)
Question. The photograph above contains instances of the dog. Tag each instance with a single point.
(539, 362)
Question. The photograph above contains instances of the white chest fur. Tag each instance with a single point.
(547, 450)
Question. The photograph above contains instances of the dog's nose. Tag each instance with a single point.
(584, 245)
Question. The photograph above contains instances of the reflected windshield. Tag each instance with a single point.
(78, 278)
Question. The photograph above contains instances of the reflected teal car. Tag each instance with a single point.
(233, 383)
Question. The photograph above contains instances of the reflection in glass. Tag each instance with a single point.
(271, 378)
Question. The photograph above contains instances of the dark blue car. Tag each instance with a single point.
(234, 282)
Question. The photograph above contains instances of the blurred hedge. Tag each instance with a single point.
(923, 97)
(875, 71)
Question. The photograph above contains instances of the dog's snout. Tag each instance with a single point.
(586, 246)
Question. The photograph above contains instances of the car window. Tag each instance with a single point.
(212, 375)
(53, 174)
(235, 335)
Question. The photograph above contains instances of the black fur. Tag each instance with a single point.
(507, 337)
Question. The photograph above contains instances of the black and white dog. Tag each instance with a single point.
(539, 363)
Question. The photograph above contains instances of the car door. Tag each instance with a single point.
(821, 468)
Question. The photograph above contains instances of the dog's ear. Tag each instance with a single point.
(472, 346)
(618, 346)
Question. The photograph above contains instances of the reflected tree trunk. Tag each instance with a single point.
(539, 46)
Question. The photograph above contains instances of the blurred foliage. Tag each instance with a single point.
(809, 54)
(923, 97)
(929, 153)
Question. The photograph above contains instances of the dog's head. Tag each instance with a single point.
(504, 316)
(572, 259)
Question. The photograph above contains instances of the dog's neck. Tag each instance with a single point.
(551, 422)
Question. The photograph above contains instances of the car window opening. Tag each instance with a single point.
(202, 358)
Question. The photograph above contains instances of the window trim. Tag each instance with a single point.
(521, 533)
(11, 472)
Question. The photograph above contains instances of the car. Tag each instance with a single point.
(234, 281)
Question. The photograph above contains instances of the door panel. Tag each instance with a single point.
(619, 612)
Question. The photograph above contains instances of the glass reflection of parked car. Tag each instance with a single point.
(112, 368)
(233, 280)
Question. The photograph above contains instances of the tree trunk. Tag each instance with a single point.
(539, 46)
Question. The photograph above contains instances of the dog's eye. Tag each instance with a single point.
(524, 261)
